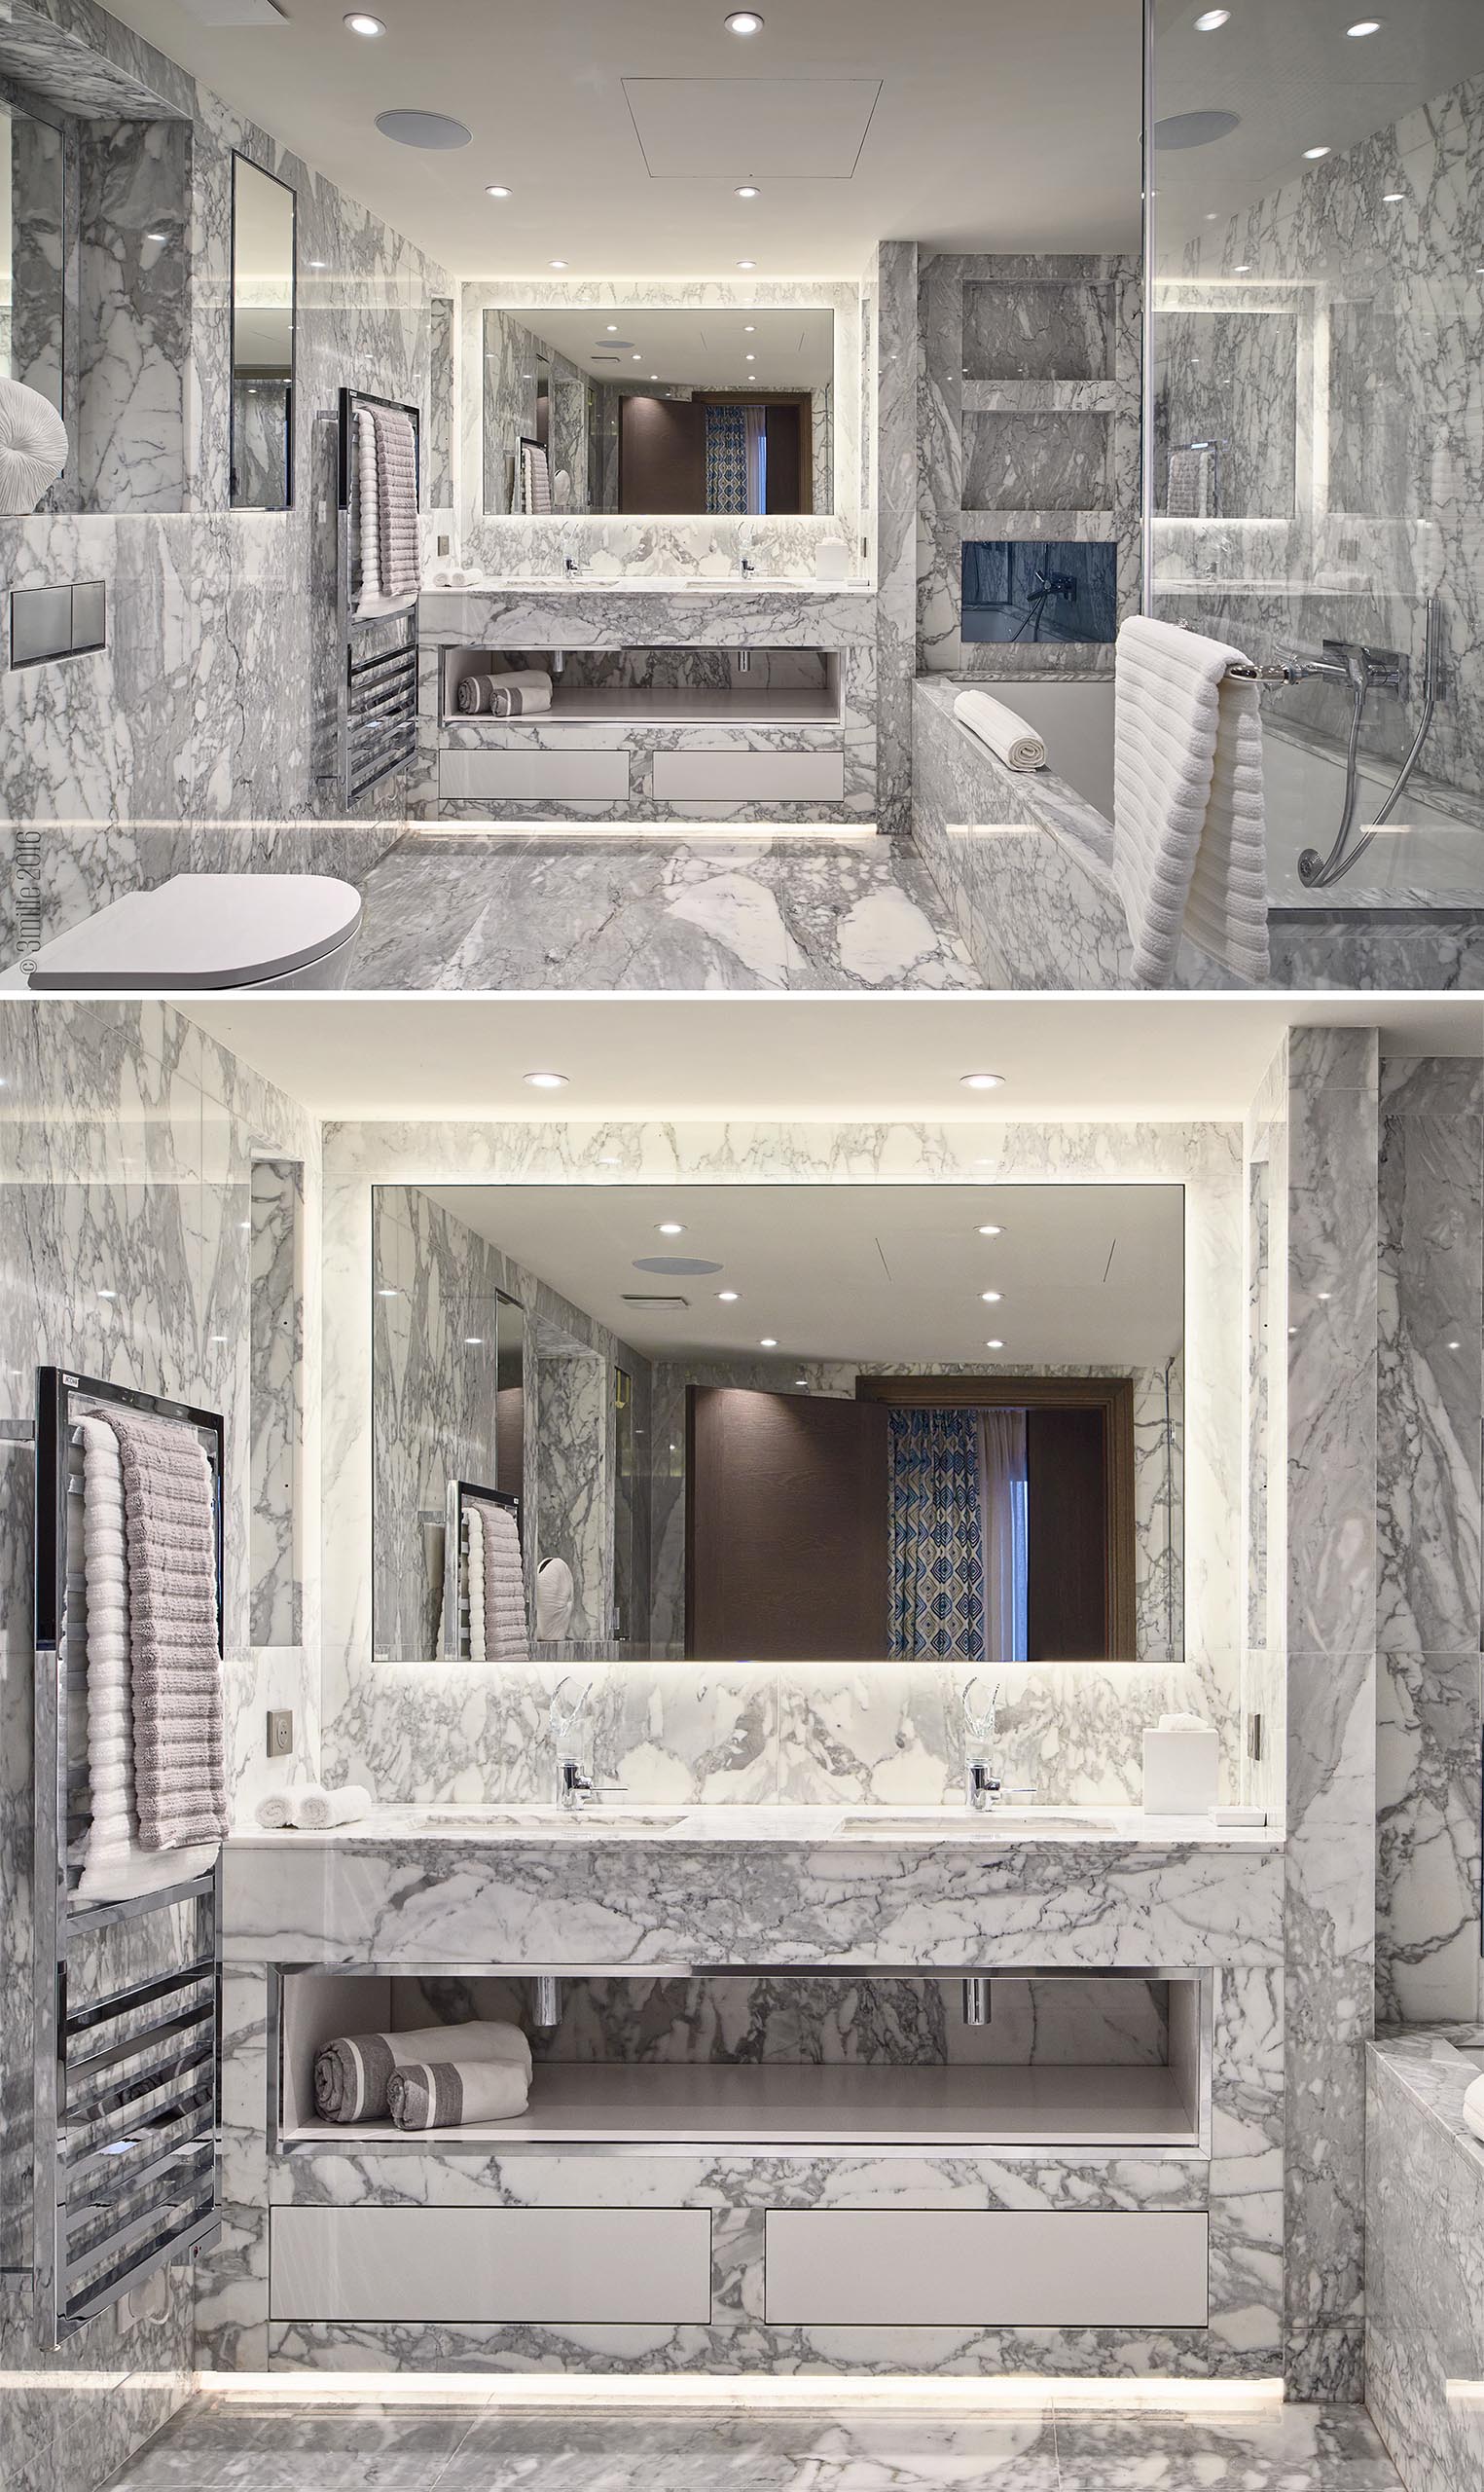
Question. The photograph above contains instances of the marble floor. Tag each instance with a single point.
(522, 910)
(218, 2446)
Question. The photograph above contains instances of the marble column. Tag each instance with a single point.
(1330, 1645)
(896, 390)
(1431, 1406)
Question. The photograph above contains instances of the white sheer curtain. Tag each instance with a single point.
(757, 418)
(1004, 1515)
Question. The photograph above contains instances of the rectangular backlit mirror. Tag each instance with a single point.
(766, 1424)
(263, 313)
(656, 411)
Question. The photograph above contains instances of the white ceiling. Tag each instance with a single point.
(1295, 80)
(1086, 1273)
(806, 1059)
(999, 126)
(793, 349)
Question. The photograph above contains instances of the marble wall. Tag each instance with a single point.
(1371, 259)
(1424, 2280)
(1027, 430)
(128, 1148)
(894, 308)
(202, 709)
(1430, 1413)
(809, 1732)
(1328, 1579)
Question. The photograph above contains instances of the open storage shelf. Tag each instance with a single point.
(654, 687)
(1113, 2063)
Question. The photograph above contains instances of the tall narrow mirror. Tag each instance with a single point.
(263, 284)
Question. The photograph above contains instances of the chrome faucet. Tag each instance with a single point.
(578, 1785)
(982, 1786)
(1350, 662)
(746, 566)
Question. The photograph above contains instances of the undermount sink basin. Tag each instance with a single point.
(980, 1824)
(547, 1820)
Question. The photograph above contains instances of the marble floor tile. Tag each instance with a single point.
(515, 913)
(218, 2446)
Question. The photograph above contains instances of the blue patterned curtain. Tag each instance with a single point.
(937, 1534)
(726, 459)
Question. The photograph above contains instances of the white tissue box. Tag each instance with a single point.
(1182, 1772)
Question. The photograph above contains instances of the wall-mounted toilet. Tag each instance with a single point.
(203, 930)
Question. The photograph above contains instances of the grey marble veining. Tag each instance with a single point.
(1431, 1411)
(1330, 1641)
(202, 709)
(277, 1399)
(654, 912)
(1424, 2259)
(1032, 2443)
(895, 298)
(128, 1166)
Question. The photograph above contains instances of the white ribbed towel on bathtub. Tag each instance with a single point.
(1189, 834)
(1474, 2106)
(1003, 730)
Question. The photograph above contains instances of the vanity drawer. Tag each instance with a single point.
(542, 2265)
(699, 776)
(942, 2267)
(532, 778)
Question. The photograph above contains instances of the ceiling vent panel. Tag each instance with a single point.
(236, 13)
(654, 1305)
(738, 129)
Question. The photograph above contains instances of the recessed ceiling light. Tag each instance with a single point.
(990, 1231)
(635, 358)
(744, 21)
(729, 1297)
(748, 190)
(360, 24)
(495, 190)
(556, 264)
(994, 1345)
(767, 1342)
(654, 375)
(613, 328)
(981, 1080)
(751, 359)
(1211, 216)
(1209, 18)
(1365, 27)
(990, 1296)
(749, 328)
(1312, 155)
(669, 1228)
(747, 264)
(545, 1080)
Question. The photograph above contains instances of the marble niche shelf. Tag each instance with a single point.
(657, 686)
(1086, 2101)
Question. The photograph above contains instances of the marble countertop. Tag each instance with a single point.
(804, 1828)
(653, 583)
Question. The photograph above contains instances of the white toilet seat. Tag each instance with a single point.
(199, 931)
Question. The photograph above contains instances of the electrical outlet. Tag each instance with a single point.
(1254, 1738)
(280, 1734)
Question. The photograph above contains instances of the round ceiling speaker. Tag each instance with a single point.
(423, 130)
(1195, 130)
(675, 1265)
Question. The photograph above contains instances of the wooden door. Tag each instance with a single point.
(785, 1526)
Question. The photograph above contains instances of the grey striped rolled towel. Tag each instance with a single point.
(351, 2075)
(473, 694)
(179, 1739)
(450, 2094)
(518, 693)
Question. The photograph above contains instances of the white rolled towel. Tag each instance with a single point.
(1006, 734)
(1474, 2106)
(315, 1808)
(276, 1812)
(33, 447)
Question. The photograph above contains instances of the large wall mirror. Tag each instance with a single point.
(779, 1423)
(32, 252)
(262, 317)
(659, 412)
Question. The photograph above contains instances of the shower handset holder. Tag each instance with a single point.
(125, 2133)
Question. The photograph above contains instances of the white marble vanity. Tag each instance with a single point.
(764, 2136)
(679, 698)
